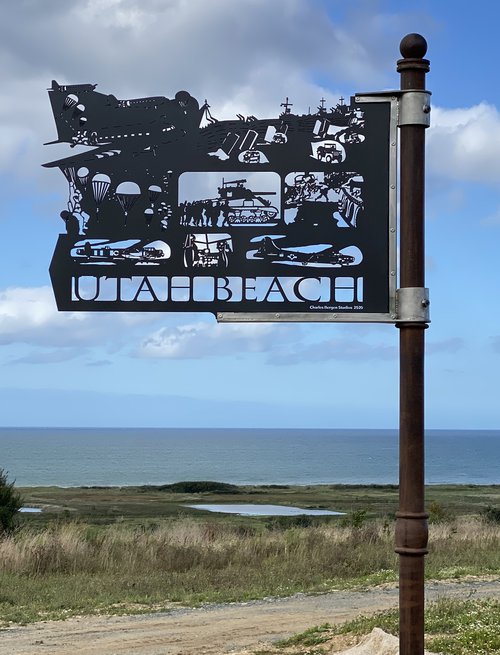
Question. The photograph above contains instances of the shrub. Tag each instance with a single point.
(356, 519)
(200, 486)
(10, 503)
(491, 514)
(437, 513)
(274, 486)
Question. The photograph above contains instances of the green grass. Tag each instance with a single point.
(138, 549)
(118, 568)
(110, 504)
(469, 627)
(310, 637)
(184, 561)
(453, 627)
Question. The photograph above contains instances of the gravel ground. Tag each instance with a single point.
(216, 629)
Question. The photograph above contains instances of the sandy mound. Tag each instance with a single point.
(377, 642)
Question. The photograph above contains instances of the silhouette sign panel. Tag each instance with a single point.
(173, 210)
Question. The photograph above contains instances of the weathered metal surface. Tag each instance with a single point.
(411, 524)
(415, 108)
(412, 304)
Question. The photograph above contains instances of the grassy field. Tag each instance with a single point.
(100, 505)
(111, 550)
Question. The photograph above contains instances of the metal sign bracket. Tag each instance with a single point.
(415, 108)
(414, 105)
(412, 305)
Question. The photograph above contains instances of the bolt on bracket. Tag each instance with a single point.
(412, 305)
(414, 108)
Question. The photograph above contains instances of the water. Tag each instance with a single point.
(247, 509)
(121, 457)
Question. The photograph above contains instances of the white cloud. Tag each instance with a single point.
(198, 340)
(112, 13)
(29, 315)
(25, 122)
(244, 56)
(464, 144)
(283, 344)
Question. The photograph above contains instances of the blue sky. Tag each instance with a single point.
(245, 56)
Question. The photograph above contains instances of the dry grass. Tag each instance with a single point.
(74, 568)
(76, 548)
(329, 550)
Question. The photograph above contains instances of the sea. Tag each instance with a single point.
(71, 457)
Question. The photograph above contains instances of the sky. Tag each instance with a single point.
(245, 56)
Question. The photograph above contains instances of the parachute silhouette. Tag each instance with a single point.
(127, 194)
(83, 175)
(153, 193)
(100, 185)
(70, 101)
(148, 214)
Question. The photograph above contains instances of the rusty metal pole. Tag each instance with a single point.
(411, 523)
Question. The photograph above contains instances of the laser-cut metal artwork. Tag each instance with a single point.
(173, 210)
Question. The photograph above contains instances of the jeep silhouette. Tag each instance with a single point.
(329, 152)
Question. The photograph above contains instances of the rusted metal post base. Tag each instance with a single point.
(411, 603)
(411, 519)
(411, 523)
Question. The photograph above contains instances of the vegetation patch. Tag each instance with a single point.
(310, 637)
(131, 549)
(11, 502)
(198, 487)
(70, 568)
(454, 627)
(491, 514)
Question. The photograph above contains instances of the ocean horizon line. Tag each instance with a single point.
(267, 485)
(232, 428)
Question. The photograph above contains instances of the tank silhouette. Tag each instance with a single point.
(238, 204)
(244, 205)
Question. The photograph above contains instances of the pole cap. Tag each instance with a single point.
(413, 46)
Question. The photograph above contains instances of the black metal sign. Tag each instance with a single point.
(286, 218)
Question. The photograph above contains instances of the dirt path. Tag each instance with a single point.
(215, 629)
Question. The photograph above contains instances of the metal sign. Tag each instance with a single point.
(286, 218)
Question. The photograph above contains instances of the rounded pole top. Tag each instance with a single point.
(413, 46)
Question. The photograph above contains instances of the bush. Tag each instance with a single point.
(200, 486)
(355, 520)
(10, 503)
(491, 514)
